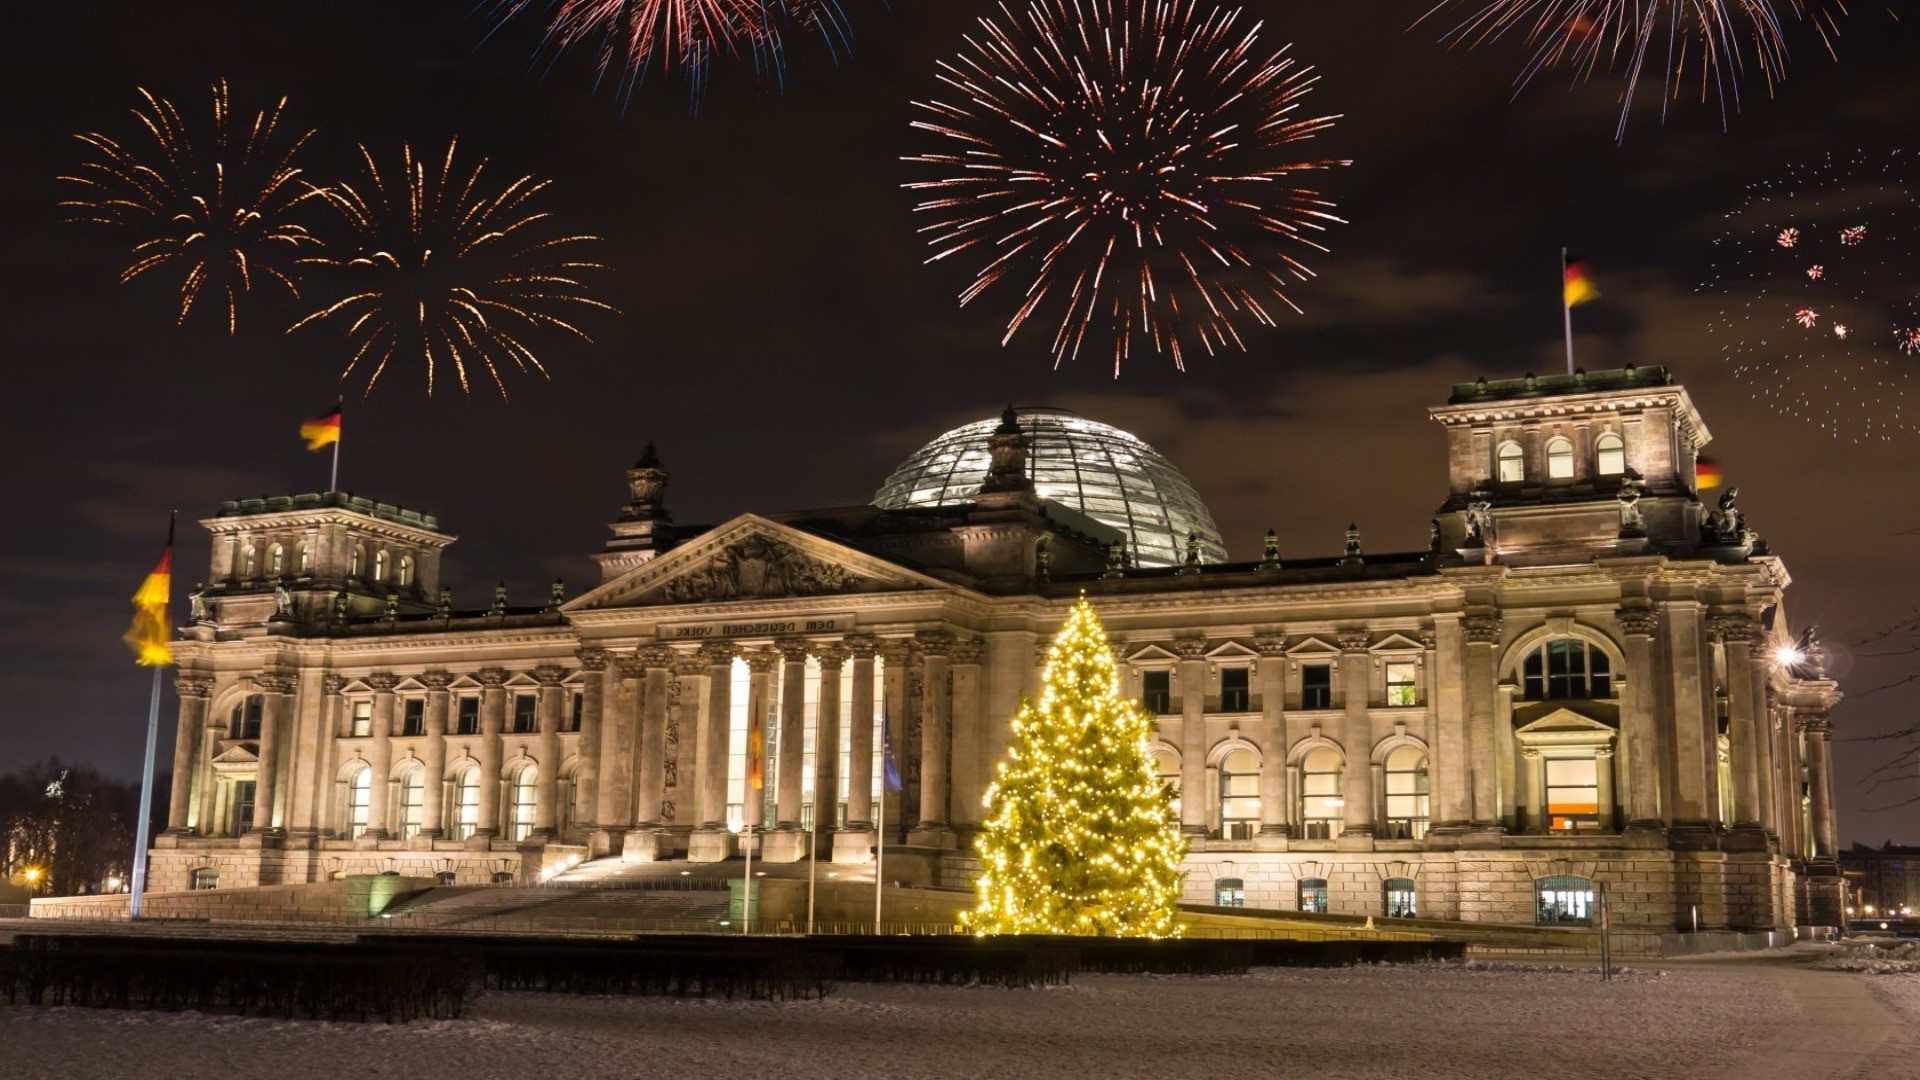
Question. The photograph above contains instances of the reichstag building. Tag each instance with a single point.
(1587, 679)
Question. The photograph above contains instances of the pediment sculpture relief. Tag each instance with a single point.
(758, 566)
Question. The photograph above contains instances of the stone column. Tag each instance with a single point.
(936, 761)
(333, 707)
(379, 755)
(1696, 769)
(851, 844)
(1356, 684)
(1483, 639)
(1534, 818)
(1274, 798)
(274, 717)
(1451, 770)
(1637, 720)
(826, 753)
(193, 690)
(619, 735)
(790, 782)
(1736, 634)
(710, 841)
(493, 717)
(1766, 742)
(586, 778)
(965, 791)
(434, 760)
(1193, 734)
(1819, 730)
(650, 769)
(1603, 765)
(550, 707)
(205, 784)
(894, 654)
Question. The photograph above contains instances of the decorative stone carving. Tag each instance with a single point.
(1479, 520)
(861, 646)
(499, 599)
(331, 685)
(1007, 449)
(1043, 559)
(340, 607)
(792, 650)
(1481, 629)
(718, 653)
(1116, 560)
(491, 676)
(647, 487)
(1632, 521)
(282, 601)
(1270, 551)
(1353, 639)
(549, 674)
(628, 666)
(655, 657)
(970, 650)
(593, 658)
(831, 657)
(197, 603)
(556, 594)
(1354, 553)
(187, 684)
(436, 679)
(761, 661)
(758, 566)
(895, 650)
(1270, 644)
(1428, 636)
(1637, 620)
(1725, 524)
(1732, 628)
(445, 608)
(688, 665)
(383, 682)
(667, 810)
(1190, 648)
(934, 642)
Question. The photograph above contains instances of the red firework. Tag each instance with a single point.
(1128, 166)
(1806, 317)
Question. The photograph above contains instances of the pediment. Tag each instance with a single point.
(240, 754)
(1152, 654)
(751, 558)
(1313, 646)
(1561, 721)
(1397, 643)
(1230, 651)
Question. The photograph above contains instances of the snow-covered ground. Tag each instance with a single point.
(1749, 1018)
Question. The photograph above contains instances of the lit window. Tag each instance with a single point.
(244, 723)
(246, 560)
(413, 802)
(524, 796)
(205, 877)
(1559, 458)
(356, 561)
(467, 718)
(359, 801)
(1573, 794)
(1406, 777)
(1156, 691)
(466, 803)
(1564, 900)
(1567, 669)
(403, 576)
(1610, 455)
(276, 561)
(1321, 782)
(302, 560)
(362, 718)
(1316, 686)
(1313, 895)
(525, 714)
(1239, 795)
(1400, 898)
(1403, 688)
(380, 566)
(1166, 765)
(1236, 693)
(1513, 463)
(1229, 892)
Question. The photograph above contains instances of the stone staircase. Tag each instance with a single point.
(571, 907)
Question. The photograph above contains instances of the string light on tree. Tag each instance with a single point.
(1080, 835)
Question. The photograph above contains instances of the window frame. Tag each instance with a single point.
(464, 819)
(523, 802)
(1540, 681)
(1229, 892)
(357, 807)
(1313, 897)
(1517, 459)
(1159, 701)
(413, 717)
(1332, 806)
(1309, 701)
(1609, 445)
(360, 718)
(1239, 790)
(1237, 699)
(1576, 893)
(413, 802)
(466, 720)
(526, 715)
(1410, 699)
(1416, 803)
(1560, 456)
(1403, 892)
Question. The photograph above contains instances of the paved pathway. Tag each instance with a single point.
(1843, 1029)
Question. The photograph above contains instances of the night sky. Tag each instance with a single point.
(784, 345)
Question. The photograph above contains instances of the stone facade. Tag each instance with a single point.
(1589, 678)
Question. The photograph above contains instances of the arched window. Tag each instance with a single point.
(1563, 901)
(1566, 669)
(380, 565)
(403, 574)
(1399, 898)
(1406, 794)
(413, 802)
(245, 561)
(1512, 463)
(276, 561)
(1313, 895)
(1166, 765)
(466, 803)
(523, 796)
(355, 561)
(1610, 455)
(205, 877)
(359, 802)
(1229, 892)
(1559, 458)
(302, 560)
(1321, 782)
(1239, 795)
(244, 722)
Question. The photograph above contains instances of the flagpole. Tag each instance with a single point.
(746, 894)
(880, 850)
(1566, 309)
(333, 484)
(143, 827)
(813, 859)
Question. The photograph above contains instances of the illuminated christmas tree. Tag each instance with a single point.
(1080, 836)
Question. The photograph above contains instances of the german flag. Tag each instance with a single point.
(1579, 287)
(1706, 474)
(756, 755)
(151, 635)
(322, 432)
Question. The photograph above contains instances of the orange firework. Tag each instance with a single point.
(1128, 167)
(211, 203)
(447, 270)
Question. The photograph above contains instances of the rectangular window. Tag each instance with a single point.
(467, 718)
(1573, 794)
(1403, 687)
(524, 713)
(1236, 694)
(1156, 691)
(242, 818)
(413, 717)
(578, 710)
(250, 718)
(1316, 686)
(362, 718)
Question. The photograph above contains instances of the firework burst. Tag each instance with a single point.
(1128, 167)
(1699, 48)
(446, 269)
(1825, 342)
(632, 39)
(210, 205)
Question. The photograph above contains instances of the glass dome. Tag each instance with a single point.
(1105, 473)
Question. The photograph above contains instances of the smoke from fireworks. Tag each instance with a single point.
(208, 203)
(632, 39)
(1823, 329)
(1702, 48)
(1128, 167)
(446, 269)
